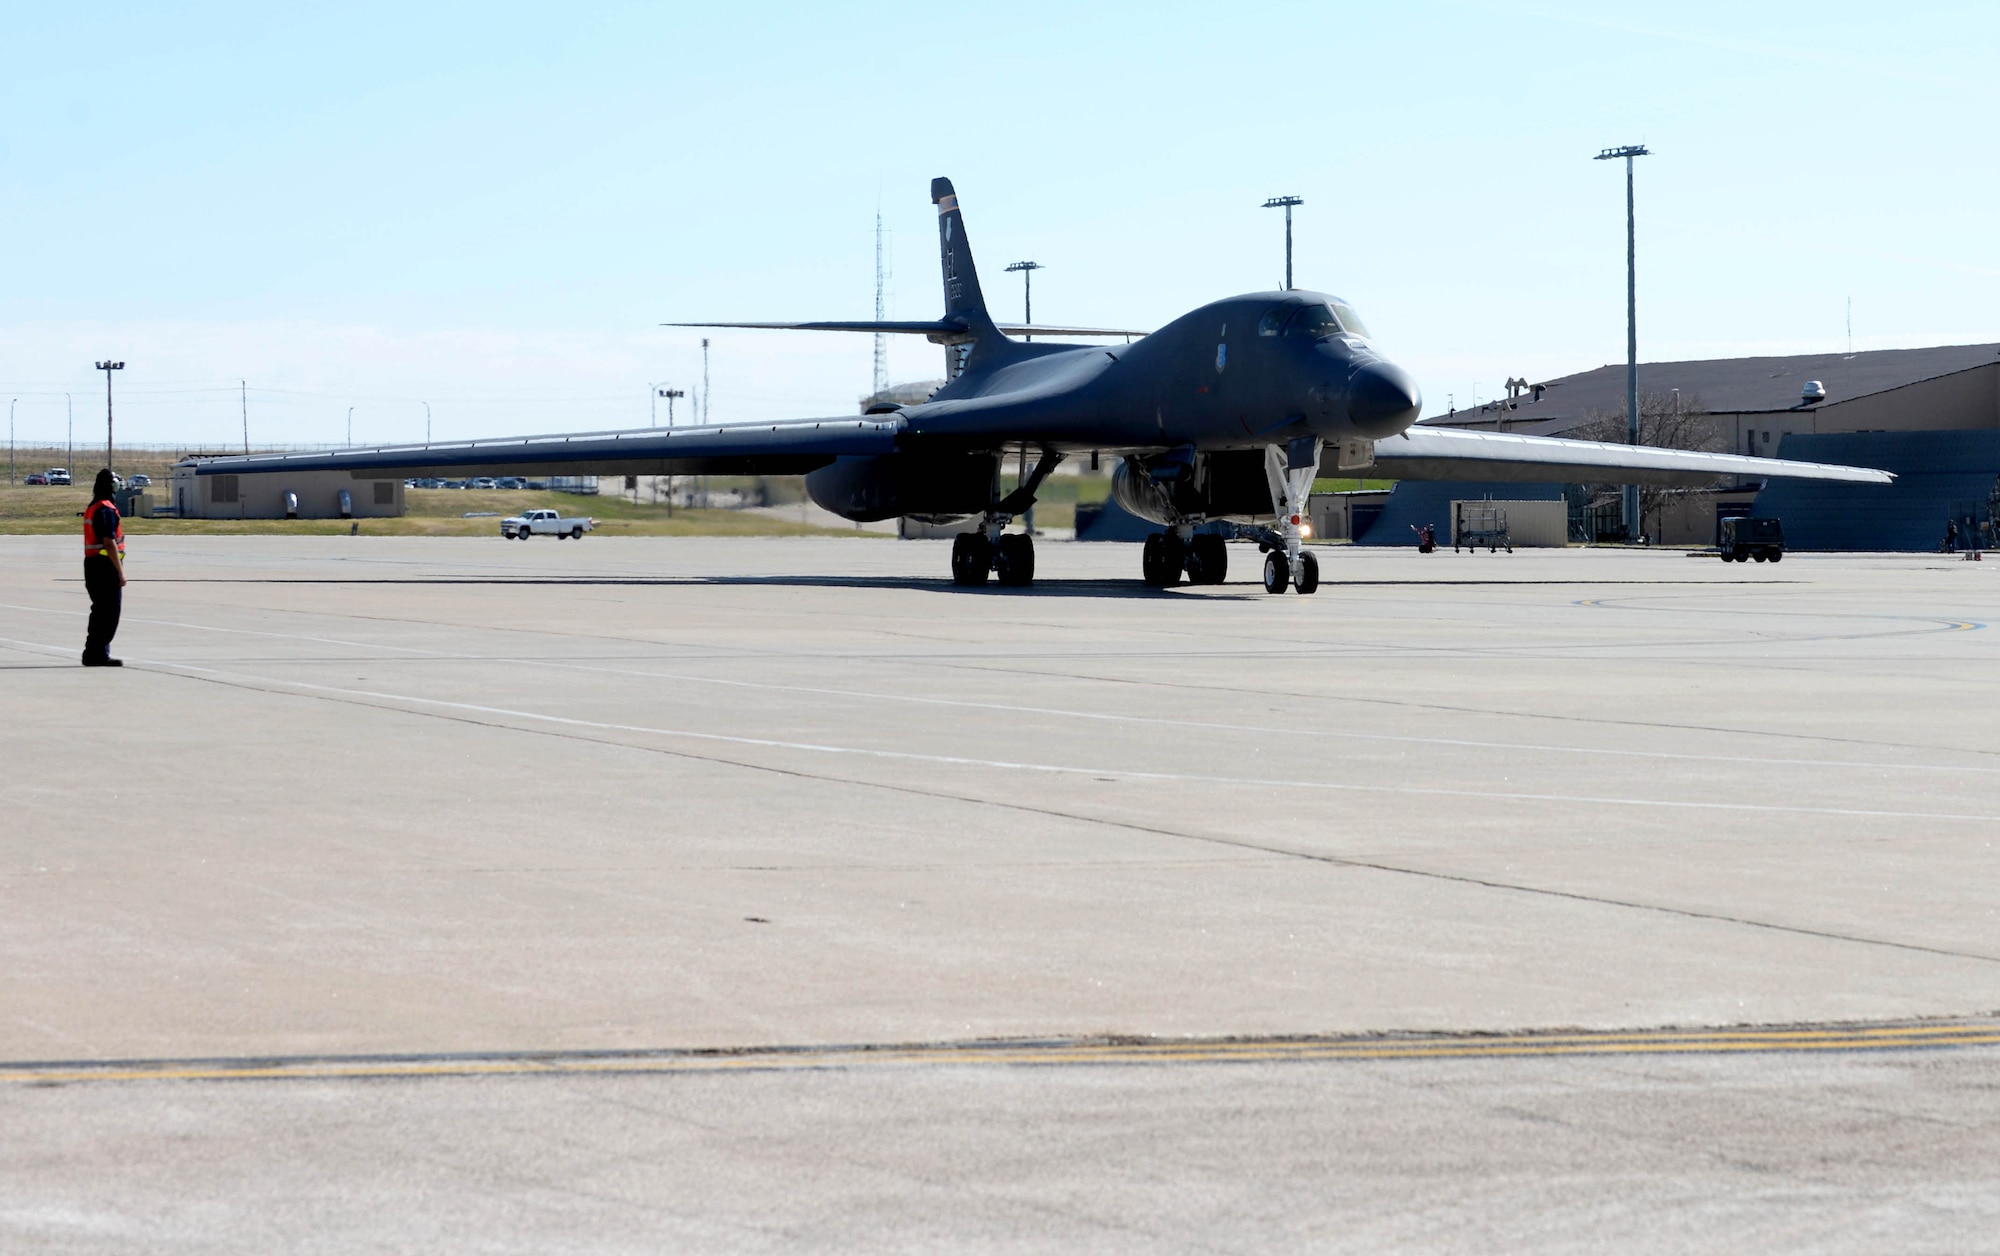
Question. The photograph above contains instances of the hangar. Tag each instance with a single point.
(1932, 416)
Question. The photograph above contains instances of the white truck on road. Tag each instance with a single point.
(544, 523)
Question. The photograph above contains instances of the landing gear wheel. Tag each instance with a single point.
(1208, 559)
(1759, 556)
(971, 558)
(1308, 581)
(1016, 561)
(1277, 573)
(1777, 555)
(1162, 559)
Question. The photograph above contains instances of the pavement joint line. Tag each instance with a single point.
(1031, 1053)
(1059, 712)
(387, 701)
(1211, 839)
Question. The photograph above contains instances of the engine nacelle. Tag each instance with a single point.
(1228, 484)
(884, 486)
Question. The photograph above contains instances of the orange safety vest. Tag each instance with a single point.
(93, 545)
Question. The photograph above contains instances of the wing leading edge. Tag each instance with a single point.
(1450, 453)
(791, 448)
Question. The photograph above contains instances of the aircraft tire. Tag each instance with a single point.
(1017, 560)
(971, 558)
(1277, 573)
(1161, 560)
(1208, 559)
(1308, 573)
(1777, 555)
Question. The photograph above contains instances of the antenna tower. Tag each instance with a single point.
(881, 341)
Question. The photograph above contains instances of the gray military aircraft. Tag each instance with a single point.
(1227, 413)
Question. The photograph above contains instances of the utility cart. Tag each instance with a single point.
(1480, 524)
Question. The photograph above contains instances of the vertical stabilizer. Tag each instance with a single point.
(963, 302)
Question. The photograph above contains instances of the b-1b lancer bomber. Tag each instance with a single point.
(1227, 413)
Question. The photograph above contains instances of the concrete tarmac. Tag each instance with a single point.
(354, 797)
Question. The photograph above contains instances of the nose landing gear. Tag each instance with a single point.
(1290, 469)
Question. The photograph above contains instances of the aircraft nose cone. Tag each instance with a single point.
(1382, 399)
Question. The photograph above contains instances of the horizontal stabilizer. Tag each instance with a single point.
(1047, 329)
(940, 328)
(1454, 453)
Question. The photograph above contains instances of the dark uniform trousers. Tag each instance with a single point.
(100, 577)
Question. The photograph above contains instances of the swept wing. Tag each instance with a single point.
(790, 448)
(1451, 453)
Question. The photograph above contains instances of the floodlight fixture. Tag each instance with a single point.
(1285, 203)
(1633, 524)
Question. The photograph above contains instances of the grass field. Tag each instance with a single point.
(432, 512)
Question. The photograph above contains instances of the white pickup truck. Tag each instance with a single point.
(544, 523)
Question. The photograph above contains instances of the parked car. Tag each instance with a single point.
(510, 481)
(59, 475)
(483, 482)
(545, 523)
(35, 477)
(139, 481)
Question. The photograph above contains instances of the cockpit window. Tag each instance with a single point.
(1311, 322)
(1273, 321)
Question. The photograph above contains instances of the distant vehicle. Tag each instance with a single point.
(536, 486)
(140, 481)
(1744, 539)
(59, 475)
(510, 481)
(482, 482)
(544, 523)
(35, 477)
(452, 484)
(429, 481)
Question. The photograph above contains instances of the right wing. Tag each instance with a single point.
(790, 448)
(1455, 453)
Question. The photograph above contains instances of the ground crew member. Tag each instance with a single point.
(103, 572)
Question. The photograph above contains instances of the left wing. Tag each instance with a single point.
(791, 448)
(1454, 453)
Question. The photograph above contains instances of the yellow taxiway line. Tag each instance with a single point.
(1073, 1052)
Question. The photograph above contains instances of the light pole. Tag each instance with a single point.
(1285, 203)
(350, 427)
(243, 385)
(70, 406)
(10, 440)
(669, 394)
(108, 366)
(1027, 270)
(1628, 152)
(427, 423)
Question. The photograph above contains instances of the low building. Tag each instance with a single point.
(284, 495)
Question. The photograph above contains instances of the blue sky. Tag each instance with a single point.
(491, 208)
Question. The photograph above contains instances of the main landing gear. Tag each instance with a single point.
(1010, 559)
(1203, 557)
